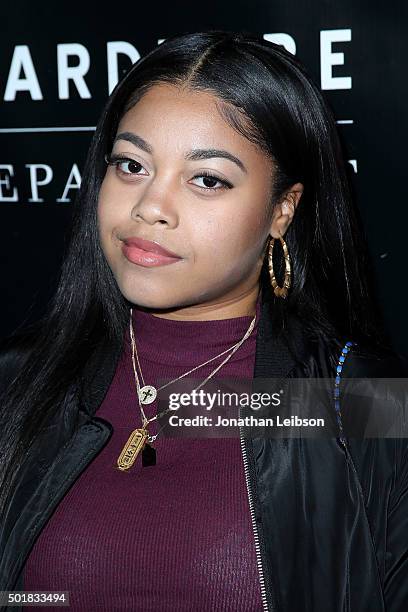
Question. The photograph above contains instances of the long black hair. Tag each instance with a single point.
(268, 97)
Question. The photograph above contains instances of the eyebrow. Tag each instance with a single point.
(193, 155)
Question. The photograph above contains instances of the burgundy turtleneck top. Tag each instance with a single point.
(172, 536)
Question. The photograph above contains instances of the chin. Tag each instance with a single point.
(150, 299)
(162, 294)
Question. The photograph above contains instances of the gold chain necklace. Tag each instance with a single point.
(140, 439)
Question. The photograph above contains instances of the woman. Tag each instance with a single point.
(213, 152)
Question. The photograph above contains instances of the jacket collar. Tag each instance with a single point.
(278, 351)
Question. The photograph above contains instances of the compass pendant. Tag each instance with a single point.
(147, 394)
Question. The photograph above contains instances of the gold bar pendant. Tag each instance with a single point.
(132, 448)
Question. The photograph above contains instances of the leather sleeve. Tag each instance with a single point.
(393, 528)
(396, 556)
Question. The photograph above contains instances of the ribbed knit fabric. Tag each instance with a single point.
(174, 536)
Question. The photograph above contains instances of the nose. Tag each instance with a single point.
(156, 205)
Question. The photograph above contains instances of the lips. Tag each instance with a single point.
(149, 246)
(147, 254)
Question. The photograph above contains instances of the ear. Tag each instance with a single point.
(284, 210)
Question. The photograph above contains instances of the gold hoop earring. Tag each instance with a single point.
(280, 291)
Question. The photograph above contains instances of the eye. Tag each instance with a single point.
(130, 167)
(124, 165)
(210, 180)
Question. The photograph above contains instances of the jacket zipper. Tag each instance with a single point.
(254, 527)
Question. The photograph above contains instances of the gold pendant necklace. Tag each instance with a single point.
(139, 439)
(132, 448)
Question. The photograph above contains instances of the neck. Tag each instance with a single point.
(180, 343)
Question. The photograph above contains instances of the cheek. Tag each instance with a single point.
(109, 212)
(245, 228)
(108, 217)
(225, 239)
(102, 207)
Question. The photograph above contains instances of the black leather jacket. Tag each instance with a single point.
(330, 519)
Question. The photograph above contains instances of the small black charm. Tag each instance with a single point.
(148, 455)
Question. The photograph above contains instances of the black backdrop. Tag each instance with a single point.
(59, 62)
